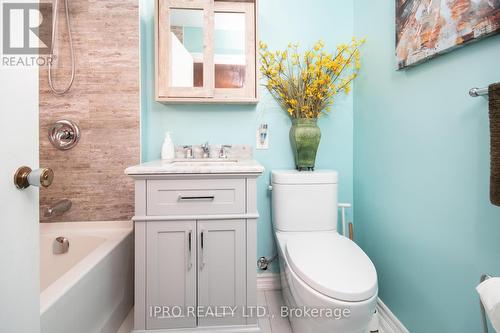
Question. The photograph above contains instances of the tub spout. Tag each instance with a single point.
(59, 208)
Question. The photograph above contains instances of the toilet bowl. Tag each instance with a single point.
(328, 283)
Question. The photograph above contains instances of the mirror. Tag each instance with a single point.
(229, 50)
(186, 51)
(206, 51)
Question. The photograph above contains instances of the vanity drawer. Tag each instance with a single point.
(195, 196)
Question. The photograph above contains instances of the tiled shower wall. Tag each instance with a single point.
(104, 101)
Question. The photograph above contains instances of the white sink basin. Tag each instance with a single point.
(204, 161)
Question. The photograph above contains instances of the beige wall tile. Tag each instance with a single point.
(104, 100)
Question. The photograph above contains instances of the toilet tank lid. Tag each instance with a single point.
(304, 177)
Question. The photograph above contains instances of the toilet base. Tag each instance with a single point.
(298, 295)
(357, 322)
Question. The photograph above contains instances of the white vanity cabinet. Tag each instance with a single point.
(195, 250)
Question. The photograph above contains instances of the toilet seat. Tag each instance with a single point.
(332, 265)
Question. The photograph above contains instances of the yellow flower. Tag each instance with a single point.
(347, 88)
(307, 83)
(319, 45)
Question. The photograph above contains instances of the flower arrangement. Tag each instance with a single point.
(305, 85)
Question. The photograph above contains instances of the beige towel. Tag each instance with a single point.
(494, 97)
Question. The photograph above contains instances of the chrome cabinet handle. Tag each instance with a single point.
(197, 198)
(202, 245)
(190, 259)
(24, 177)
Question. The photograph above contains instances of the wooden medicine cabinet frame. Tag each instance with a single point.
(207, 92)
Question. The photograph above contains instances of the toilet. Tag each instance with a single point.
(328, 283)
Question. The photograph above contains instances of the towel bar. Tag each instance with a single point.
(475, 92)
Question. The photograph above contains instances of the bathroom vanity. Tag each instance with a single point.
(195, 244)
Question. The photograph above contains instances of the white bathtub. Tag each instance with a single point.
(90, 288)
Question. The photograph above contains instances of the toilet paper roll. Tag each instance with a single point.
(489, 292)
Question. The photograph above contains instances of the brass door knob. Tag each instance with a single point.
(24, 177)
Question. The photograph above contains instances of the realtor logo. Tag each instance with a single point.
(27, 28)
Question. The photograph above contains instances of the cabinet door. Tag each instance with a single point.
(221, 270)
(184, 55)
(171, 274)
(234, 51)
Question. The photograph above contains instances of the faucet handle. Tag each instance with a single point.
(188, 151)
(222, 150)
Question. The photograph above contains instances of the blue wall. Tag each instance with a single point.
(281, 21)
(421, 169)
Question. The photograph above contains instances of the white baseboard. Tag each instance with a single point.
(268, 281)
(388, 322)
(214, 329)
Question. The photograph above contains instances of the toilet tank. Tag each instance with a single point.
(304, 201)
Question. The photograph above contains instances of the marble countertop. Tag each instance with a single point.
(211, 166)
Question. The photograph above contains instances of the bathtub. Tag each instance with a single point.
(89, 288)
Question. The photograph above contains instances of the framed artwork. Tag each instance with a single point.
(427, 28)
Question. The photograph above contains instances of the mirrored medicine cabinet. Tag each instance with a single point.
(206, 51)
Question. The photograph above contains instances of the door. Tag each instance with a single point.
(171, 274)
(19, 230)
(221, 272)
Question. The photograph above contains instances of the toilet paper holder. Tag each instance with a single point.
(483, 278)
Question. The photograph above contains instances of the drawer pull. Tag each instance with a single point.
(197, 198)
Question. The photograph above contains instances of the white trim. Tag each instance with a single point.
(389, 323)
(268, 281)
(214, 329)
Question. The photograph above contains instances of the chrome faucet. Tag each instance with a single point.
(206, 150)
(59, 208)
(188, 152)
(223, 151)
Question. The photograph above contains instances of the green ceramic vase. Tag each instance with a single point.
(304, 137)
